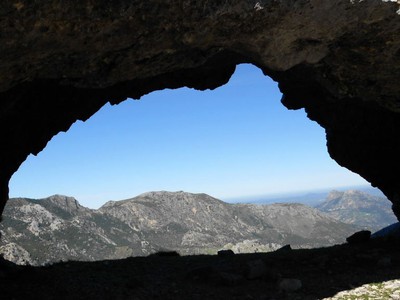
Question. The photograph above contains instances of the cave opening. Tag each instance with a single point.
(235, 142)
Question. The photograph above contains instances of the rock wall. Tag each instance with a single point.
(340, 60)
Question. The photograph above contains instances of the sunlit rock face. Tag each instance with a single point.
(340, 60)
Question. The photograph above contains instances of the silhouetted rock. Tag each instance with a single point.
(392, 230)
(165, 253)
(285, 248)
(359, 237)
(228, 252)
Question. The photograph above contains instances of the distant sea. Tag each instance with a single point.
(310, 198)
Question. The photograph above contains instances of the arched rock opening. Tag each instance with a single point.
(339, 60)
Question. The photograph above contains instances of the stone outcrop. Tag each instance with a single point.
(340, 60)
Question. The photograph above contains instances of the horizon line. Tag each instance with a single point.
(266, 196)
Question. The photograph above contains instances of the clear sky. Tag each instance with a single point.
(237, 140)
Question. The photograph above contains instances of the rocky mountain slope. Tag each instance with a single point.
(59, 228)
(359, 208)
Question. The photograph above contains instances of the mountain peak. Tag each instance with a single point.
(354, 192)
(168, 196)
(359, 208)
(165, 193)
(63, 206)
(334, 194)
(63, 201)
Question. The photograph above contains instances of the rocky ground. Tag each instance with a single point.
(283, 274)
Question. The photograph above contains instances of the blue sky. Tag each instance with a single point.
(234, 141)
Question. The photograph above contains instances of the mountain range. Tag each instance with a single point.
(372, 212)
(58, 228)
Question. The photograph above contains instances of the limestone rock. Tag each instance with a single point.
(17, 254)
(385, 290)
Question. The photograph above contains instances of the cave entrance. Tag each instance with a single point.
(235, 141)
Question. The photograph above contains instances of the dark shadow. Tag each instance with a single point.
(323, 273)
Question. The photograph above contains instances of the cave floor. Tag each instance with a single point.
(323, 273)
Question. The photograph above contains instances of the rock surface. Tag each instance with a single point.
(61, 62)
(383, 290)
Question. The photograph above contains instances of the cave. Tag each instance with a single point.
(338, 60)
